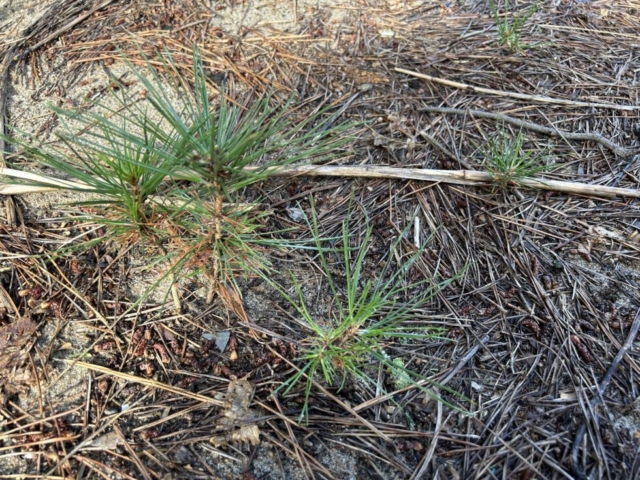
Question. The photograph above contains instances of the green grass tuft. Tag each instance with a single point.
(368, 316)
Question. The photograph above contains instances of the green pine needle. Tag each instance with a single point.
(170, 170)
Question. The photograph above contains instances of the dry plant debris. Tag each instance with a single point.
(236, 411)
(544, 308)
(14, 337)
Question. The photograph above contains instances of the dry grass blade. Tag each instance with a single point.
(147, 382)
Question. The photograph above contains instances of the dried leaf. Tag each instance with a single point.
(233, 425)
(108, 441)
(12, 338)
(247, 434)
(239, 395)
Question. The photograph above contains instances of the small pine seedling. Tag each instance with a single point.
(171, 173)
(510, 29)
(508, 162)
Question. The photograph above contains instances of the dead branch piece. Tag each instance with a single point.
(552, 132)
(456, 177)
(577, 468)
(521, 96)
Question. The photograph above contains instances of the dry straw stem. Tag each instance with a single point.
(521, 96)
(147, 382)
(456, 177)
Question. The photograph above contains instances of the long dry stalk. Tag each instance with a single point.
(456, 177)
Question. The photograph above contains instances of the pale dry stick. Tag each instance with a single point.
(17, 189)
(521, 96)
(577, 468)
(552, 132)
(147, 382)
(55, 183)
(60, 184)
(456, 177)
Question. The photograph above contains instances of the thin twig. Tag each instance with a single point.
(552, 132)
(521, 96)
(577, 468)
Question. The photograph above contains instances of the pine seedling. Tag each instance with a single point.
(170, 170)
(510, 26)
(508, 162)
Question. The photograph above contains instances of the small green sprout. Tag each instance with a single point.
(510, 26)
